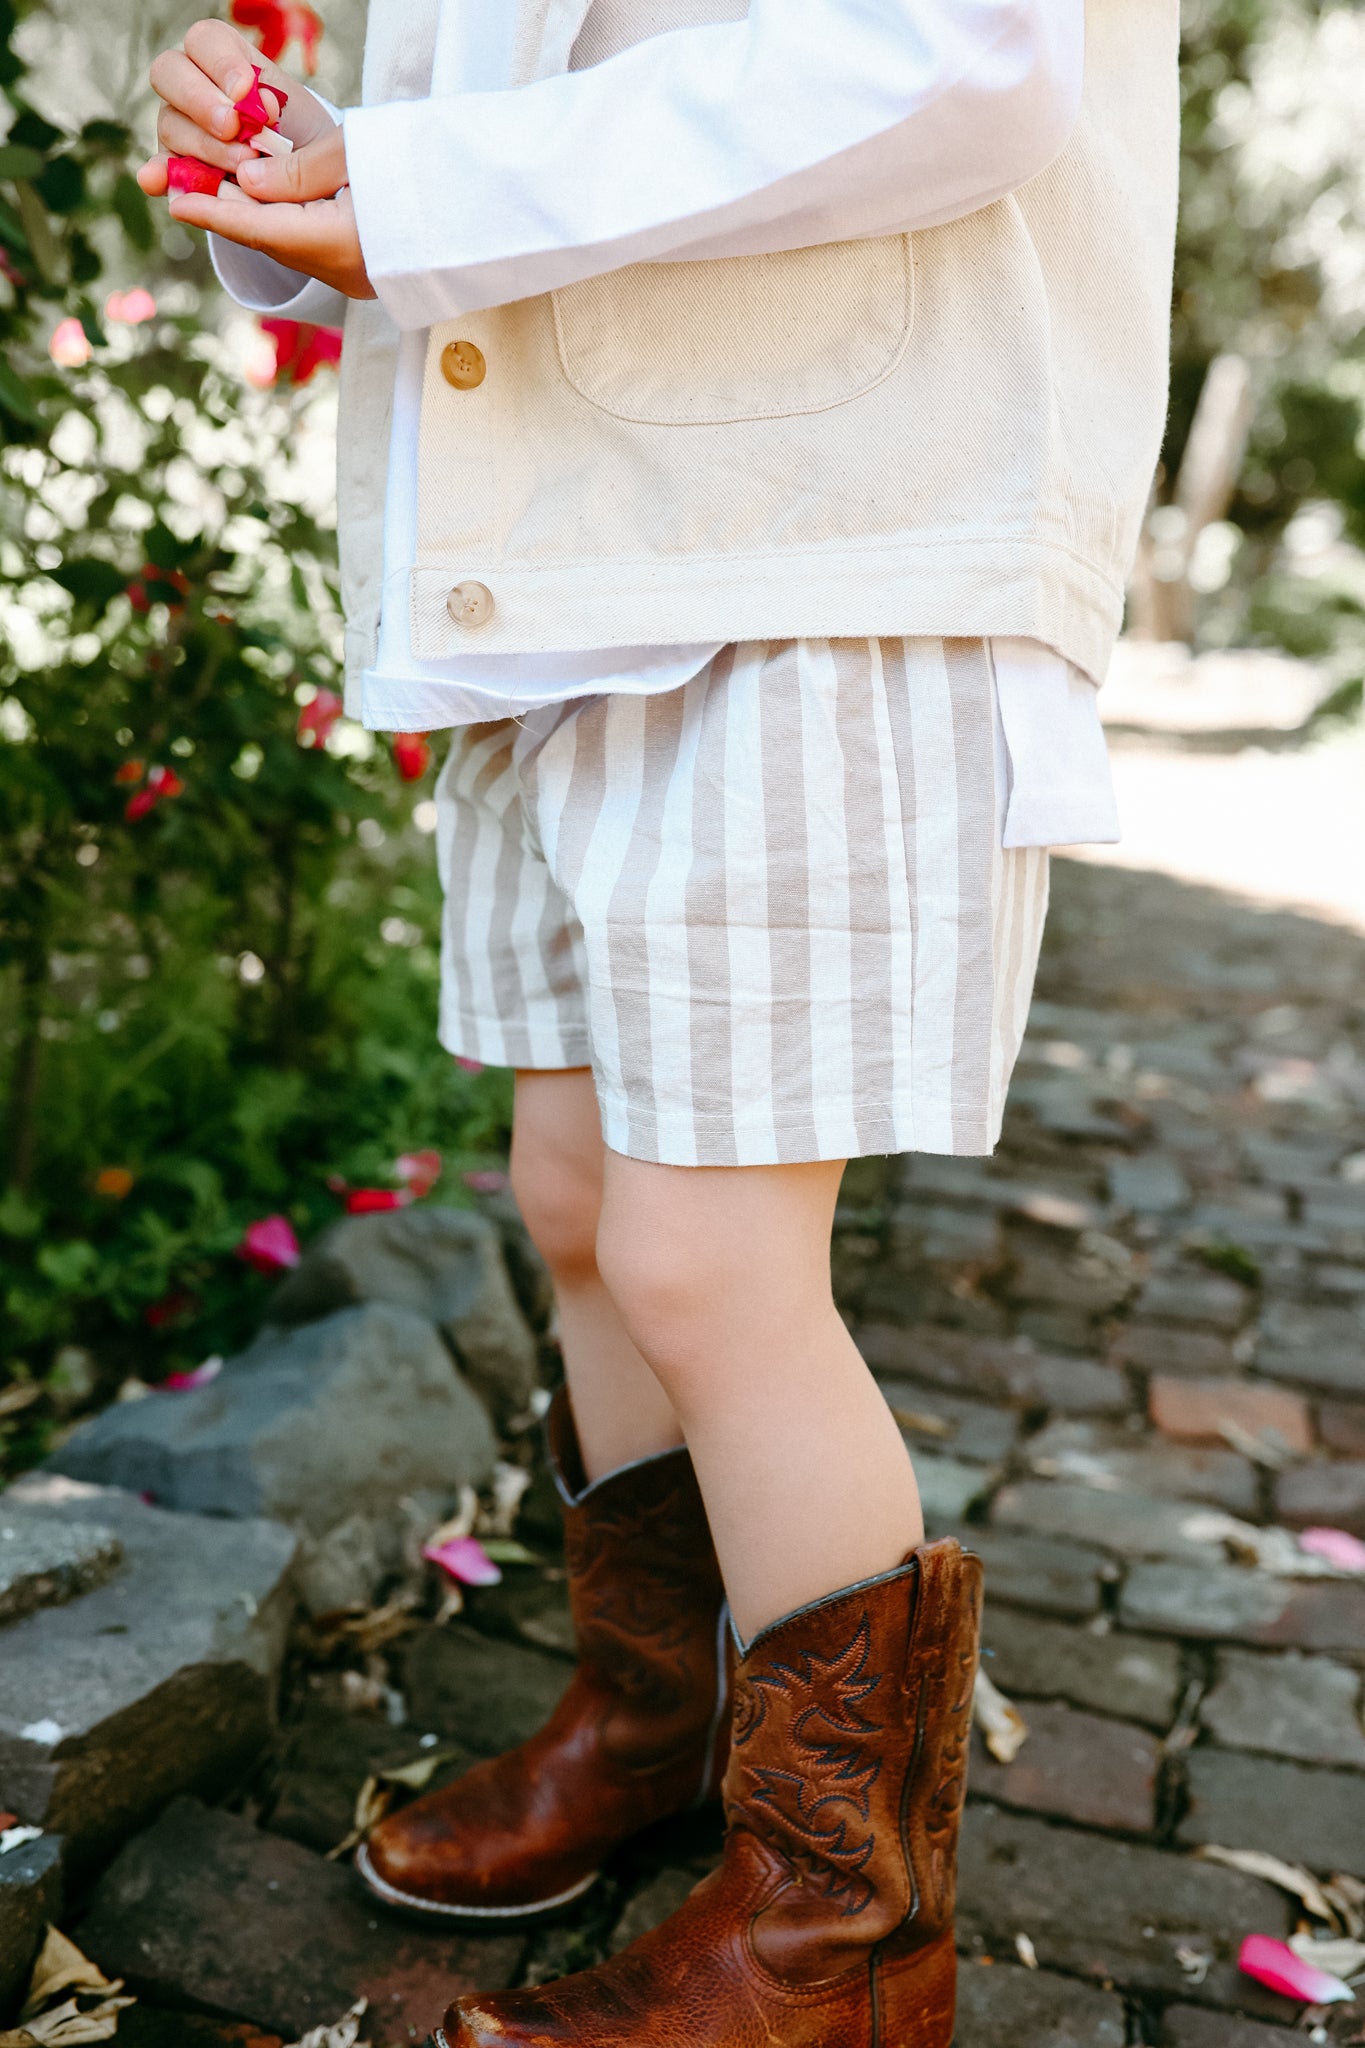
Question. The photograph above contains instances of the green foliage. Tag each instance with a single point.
(212, 1004)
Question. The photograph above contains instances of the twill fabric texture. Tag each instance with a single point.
(770, 910)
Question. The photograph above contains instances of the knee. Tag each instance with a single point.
(560, 1199)
(660, 1295)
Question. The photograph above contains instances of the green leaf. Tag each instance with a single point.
(16, 162)
(130, 204)
(18, 1218)
(61, 185)
(89, 581)
(16, 398)
(69, 1266)
(33, 131)
(106, 135)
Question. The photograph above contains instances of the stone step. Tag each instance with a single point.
(45, 1563)
(1001, 2007)
(30, 1896)
(160, 1681)
(205, 1910)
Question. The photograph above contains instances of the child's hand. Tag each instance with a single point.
(310, 226)
(201, 85)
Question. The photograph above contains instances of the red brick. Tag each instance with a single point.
(1075, 1766)
(1341, 1425)
(1192, 1411)
(1324, 1494)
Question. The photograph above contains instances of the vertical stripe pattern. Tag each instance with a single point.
(770, 908)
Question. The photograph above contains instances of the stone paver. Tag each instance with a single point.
(1190, 2026)
(206, 1910)
(1341, 1424)
(1001, 2007)
(44, 1563)
(1135, 1677)
(30, 1896)
(160, 1681)
(934, 1421)
(994, 1371)
(1128, 1524)
(1111, 1911)
(1305, 1708)
(486, 1695)
(1166, 1348)
(1078, 1767)
(1333, 1495)
(1313, 1817)
(1118, 1461)
(1223, 1604)
(1192, 1297)
(1314, 1346)
(1196, 1410)
(309, 1425)
(1064, 1579)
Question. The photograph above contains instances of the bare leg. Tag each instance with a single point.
(620, 1408)
(722, 1278)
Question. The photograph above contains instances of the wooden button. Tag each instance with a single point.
(463, 365)
(470, 604)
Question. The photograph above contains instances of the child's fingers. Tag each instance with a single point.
(228, 58)
(179, 136)
(154, 177)
(317, 171)
(184, 86)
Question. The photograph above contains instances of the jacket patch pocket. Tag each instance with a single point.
(739, 337)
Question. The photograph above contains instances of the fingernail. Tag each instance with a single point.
(252, 171)
(238, 86)
(224, 119)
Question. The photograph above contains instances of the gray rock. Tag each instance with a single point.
(1010, 2008)
(1129, 1524)
(1081, 1767)
(207, 1912)
(1134, 1677)
(30, 1896)
(1250, 1802)
(1113, 1460)
(1116, 1913)
(344, 1568)
(1224, 1604)
(1201, 1298)
(1323, 1494)
(992, 1370)
(1314, 1347)
(158, 1682)
(44, 1563)
(446, 1265)
(309, 1425)
(1307, 1708)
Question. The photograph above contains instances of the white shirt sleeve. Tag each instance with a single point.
(262, 285)
(810, 121)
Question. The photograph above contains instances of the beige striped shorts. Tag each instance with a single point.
(770, 909)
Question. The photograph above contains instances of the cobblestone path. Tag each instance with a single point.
(1124, 1350)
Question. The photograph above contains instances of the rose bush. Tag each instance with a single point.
(218, 913)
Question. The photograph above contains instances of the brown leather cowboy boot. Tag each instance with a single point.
(829, 1924)
(640, 1734)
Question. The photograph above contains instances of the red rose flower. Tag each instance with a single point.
(317, 718)
(281, 22)
(301, 349)
(412, 755)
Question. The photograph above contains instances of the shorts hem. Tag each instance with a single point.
(489, 1041)
(934, 1125)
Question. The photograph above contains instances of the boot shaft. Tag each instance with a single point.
(848, 1762)
(645, 1588)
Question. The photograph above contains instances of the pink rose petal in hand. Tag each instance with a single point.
(188, 174)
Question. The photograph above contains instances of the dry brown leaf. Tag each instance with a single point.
(62, 1967)
(66, 2025)
(1000, 1721)
(1290, 1877)
(1337, 1955)
(14, 1399)
(345, 2033)
(1026, 1952)
(920, 1424)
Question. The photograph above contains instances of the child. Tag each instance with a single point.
(768, 404)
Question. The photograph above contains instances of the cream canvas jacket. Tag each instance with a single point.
(848, 429)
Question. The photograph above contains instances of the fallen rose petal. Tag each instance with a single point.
(138, 806)
(1337, 1546)
(486, 1180)
(470, 1066)
(69, 347)
(1274, 1964)
(185, 1382)
(270, 1245)
(366, 1201)
(466, 1561)
(188, 174)
(420, 1171)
